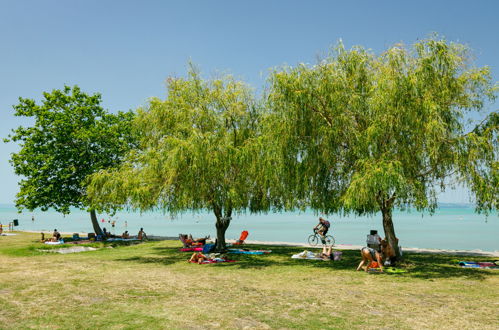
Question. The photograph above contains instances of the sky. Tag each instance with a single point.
(125, 50)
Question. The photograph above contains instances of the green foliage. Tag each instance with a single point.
(361, 133)
(194, 153)
(72, 137)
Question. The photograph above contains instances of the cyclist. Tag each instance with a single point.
(322, 228)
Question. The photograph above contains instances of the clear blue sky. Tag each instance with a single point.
(126, 49)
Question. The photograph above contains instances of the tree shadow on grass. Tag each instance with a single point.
(415, 265)
(151, 260)
(432, 266)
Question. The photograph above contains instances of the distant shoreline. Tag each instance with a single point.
(474, 253)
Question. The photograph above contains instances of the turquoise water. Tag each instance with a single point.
(449, 228)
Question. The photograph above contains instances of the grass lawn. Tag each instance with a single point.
(151, 286)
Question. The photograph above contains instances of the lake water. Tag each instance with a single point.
(449, 228)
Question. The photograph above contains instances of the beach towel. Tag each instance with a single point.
(192, 249)
(54, 243)
(474, 264)
(307, 255)
(242, 251)
(393, 270)
(214, 261)
(118, 239)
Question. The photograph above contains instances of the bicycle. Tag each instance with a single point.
(314, 239)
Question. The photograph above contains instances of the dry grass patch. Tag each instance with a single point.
(152, 286)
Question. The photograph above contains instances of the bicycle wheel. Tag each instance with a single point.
(313, 240)
(329, 240)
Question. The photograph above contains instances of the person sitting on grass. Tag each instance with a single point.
(125, 235)
(142, 235)
(388, 252)
(1, 228)
(56, 236)
(106, 233)
(198, 257)
(369, 256)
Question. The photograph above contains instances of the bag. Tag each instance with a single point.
(207, 248)
(327, 224)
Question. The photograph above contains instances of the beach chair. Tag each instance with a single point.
(242, 238)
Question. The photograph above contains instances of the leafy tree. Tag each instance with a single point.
(72, 137)
(363, 133)
(194, 153)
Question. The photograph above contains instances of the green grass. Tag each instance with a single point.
(151, 285)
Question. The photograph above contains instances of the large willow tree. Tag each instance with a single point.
(363, 133)
(194, 154)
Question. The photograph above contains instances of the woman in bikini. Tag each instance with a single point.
(369, 255)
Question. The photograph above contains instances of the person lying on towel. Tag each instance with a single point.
(198, 257)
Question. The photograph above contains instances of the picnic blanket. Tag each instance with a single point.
(192, 249)
(244, 251)
(475, 264)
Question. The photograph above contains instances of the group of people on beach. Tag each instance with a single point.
(370, 255)
(56, 235)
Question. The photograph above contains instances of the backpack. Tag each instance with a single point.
(327, 224)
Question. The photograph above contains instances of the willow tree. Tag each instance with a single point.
(363, 133)
(194, 154)
(71, 138)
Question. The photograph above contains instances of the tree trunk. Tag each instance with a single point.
(389, 230)
(95, 223)
(222, 224)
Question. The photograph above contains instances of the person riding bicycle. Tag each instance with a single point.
(322, 228)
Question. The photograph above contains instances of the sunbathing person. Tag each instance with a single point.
(188, 241)
(327, 253)
(369, 255)
(198, 240)
(198, 257)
